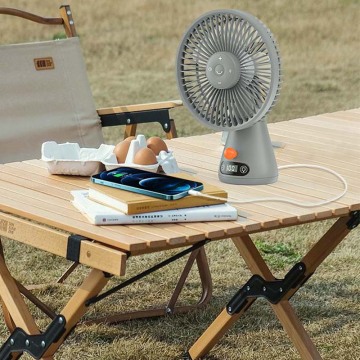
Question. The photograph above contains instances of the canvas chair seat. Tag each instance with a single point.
(45, 95)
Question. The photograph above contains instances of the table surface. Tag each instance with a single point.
(331, 140)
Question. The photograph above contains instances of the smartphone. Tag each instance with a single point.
(146, 182)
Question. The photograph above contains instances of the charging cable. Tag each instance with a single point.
(285, 200)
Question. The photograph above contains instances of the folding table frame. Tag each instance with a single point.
(26, 337)
(277, 291)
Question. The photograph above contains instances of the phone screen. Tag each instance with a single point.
(147, 183)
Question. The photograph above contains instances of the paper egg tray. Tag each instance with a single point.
(70, 159)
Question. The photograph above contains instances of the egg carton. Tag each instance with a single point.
(165, 159)
(70, 159)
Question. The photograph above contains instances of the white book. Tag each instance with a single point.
(99, 214)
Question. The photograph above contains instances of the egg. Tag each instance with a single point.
(145, 156)
(156, 144)
(129, 138)
(121, 150)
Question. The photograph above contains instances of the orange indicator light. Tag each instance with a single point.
(230, 153)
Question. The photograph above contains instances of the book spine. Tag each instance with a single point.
(152, 205)
(100, 215)
(171, 216)
(186, 202)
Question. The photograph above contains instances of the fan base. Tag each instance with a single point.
(248, 157)
(236, 180)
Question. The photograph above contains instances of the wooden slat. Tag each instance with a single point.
(203, 141)
(153, 238)
(328, 140)
(246, 192)
(17, 204)
(140, 107)
(323, 122)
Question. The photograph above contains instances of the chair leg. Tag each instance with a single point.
(284, 311)
(130, 130)
(172, 133)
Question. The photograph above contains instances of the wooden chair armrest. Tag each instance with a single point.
(65, 19)
(31, 17)
(140, 107)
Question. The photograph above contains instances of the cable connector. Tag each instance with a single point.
(195, 193)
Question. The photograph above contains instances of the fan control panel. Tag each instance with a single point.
(234, 168)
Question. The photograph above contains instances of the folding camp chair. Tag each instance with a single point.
(45, 95)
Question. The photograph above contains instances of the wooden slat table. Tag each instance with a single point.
(35, 206)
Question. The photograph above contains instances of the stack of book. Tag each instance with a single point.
(103, 205)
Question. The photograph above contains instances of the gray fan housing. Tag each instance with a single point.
(228, 74)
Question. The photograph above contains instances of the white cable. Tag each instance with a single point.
(289, 201)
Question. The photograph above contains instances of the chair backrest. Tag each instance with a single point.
(45, 93)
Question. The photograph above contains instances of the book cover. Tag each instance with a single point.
(132, 203)
(99, 214)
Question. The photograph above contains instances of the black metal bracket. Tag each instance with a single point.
(129, 118)
(354, 220)
(36, 345)
(73, 247)
(273, 291)
(187, 356)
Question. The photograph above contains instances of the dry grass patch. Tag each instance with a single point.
(129, 48)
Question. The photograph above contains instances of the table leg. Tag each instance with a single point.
(72, 312)
(76, 308)
(284, 311)
(15, 309)
(14, 302)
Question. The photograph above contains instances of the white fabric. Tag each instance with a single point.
(43, 105)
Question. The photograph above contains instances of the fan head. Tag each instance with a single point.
(228, 69)
(228, 74)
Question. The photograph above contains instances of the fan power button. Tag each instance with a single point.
(230, 153)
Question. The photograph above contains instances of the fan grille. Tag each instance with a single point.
(244, 38)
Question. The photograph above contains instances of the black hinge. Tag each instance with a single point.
(354, 220)
(36, 345)
(273, 291)
(73, 247)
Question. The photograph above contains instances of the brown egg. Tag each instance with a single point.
(121, 150)
(129, 138)
(156, 144)
(145, 156)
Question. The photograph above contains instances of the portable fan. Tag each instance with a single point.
(228, 74)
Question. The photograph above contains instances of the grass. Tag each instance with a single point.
(329, 304)
(130, 50)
